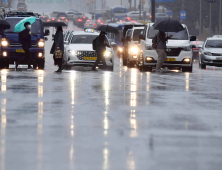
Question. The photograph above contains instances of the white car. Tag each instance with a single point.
(179, 51)
(211, 52)
(133, 45)
(79, 51)
(70, 14)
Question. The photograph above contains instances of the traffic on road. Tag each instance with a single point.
(110, 87)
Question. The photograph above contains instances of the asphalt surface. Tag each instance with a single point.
(120, 120)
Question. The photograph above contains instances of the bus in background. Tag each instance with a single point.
(118, 12)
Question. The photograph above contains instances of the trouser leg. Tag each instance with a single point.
(28, 56)
(162, 57)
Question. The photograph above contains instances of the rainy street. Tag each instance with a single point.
(121, 120)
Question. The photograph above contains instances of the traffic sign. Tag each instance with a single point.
(49, 1)
(5, 1)
(183, 15)
(169, 12)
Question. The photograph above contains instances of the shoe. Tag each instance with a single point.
(58, 71)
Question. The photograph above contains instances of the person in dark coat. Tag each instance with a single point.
(101, 45)
(58, 45)
(25, 40)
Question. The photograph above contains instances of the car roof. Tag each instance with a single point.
(136, 28)
(85, 33)
(214, 38)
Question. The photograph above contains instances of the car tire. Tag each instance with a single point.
(202, 66)
(149, 69)
(41, 64)
(187, 69)
(35, 65)
(5, 64)
(109, 68)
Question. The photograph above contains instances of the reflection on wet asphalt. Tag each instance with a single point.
(121, 120)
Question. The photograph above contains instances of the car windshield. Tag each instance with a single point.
(78, 13)
(119, 10)
(21, 5)
(214, 44)
(182, 35)
(83, 39)
(62, 15)
(136, 34)
(35, 29)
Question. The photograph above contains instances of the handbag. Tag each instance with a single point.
(58, 54)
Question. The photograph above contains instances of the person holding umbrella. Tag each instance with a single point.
(161, 49)
(101, 45)
(165, 25)
(25, 40)
(58, 48)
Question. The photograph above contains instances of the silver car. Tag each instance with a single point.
(211, 53)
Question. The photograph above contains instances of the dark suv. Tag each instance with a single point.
(22, 7)
(11, 49)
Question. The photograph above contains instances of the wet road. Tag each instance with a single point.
(121, 120)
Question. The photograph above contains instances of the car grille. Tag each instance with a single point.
(216, 54)
(81, 54)
(173, 51)
(18, 44)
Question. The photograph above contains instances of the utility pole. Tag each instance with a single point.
(210, 21)
(220, 19)
(200, 29)
(134, 5)
(153, 8)
(140, 9)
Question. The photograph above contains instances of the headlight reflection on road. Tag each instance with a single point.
(105, 159)
(131, 161)
(133, 87)
(4, 80)
(106, 86)
(187, 81)
(40, 82)
(133, 124)
(3, 131)
(72, 80)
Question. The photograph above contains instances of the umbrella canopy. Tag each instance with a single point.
(168, 25)
(54, 24)
(4, 25)
(108, 28)
(20, 25)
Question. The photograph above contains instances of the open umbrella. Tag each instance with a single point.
(4, 25)
(168, 25)
(20, 25)
(54, 24)
(108, 28)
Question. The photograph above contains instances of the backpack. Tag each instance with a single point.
(94, 43)
(154, 42)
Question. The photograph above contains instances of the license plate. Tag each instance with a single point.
(20, 51)
(89, 58)
(219, 58)
(171, 59)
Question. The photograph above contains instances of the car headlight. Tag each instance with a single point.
(120, 49)
(187, 48)
(41, 43)
(72, 52)
(107, 53)
(4, 42)
(134, 50)
(207, 53)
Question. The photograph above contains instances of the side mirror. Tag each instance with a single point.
(200, 46)
(193, 38)
(45, 38)
(141, 37)
(47, 32)
(113, 44)
(66, 42)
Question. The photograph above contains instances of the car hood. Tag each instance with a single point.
(13, 38)
(213, 50)
(173, 43)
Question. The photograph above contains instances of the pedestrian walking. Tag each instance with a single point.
(161, 40)
(25, 40)
(58, 48)
(93, 16)
(101, 45)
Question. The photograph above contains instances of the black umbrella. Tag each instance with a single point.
(108, 28)
(4, 25)
(54, 24)
(168, 25)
